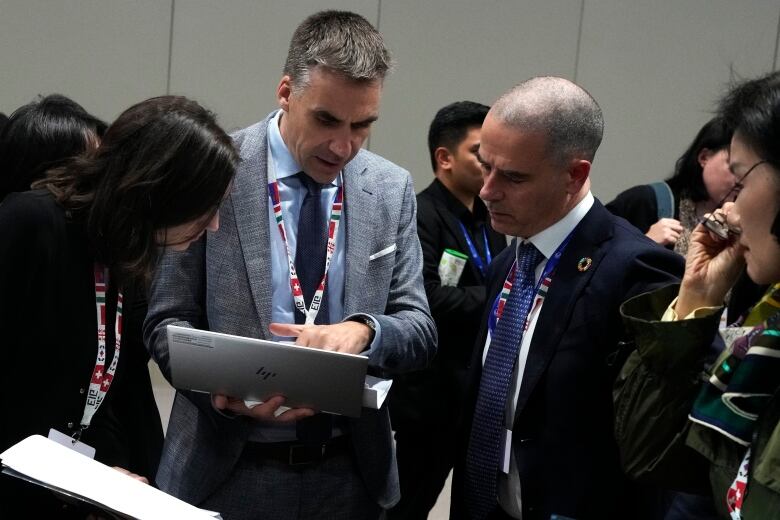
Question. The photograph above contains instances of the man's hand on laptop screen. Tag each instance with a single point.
(267, 411)
(351, 337)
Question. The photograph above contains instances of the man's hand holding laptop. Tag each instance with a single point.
(352, 337)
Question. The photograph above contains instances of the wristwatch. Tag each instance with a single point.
(368, 321)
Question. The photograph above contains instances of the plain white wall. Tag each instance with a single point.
(656, 68)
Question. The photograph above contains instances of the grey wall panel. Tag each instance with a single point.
(450, 50)
(105, 54)
(229, 55)
(657, 69)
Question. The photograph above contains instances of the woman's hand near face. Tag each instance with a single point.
(712, 266)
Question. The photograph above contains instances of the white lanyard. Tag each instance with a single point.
(101, 378)
(333, 229)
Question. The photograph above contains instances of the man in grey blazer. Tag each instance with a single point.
(257, 462)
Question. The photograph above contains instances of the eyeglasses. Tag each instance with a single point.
(717, 223)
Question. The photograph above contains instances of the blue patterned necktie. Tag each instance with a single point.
(310, 247)
(484, 450)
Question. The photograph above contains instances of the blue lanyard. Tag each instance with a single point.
(481, 264)
(542, 286)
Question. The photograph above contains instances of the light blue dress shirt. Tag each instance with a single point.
(291, 193)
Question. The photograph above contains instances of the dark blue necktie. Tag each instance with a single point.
(310, 251)
(484, 450)
(310, 248)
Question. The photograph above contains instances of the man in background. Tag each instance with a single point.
(457, 239)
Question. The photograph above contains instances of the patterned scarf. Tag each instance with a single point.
(745, 376)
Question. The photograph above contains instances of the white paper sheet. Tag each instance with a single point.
(375, 392)
(58, 467)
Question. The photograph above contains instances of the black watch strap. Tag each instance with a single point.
(369, 322)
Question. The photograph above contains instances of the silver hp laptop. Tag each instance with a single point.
(257, 370)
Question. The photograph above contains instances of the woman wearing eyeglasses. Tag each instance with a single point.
(691, 431)
(75, 258)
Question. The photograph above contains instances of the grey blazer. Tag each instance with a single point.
(223, 283)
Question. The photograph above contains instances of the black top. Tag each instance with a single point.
(639, 206)
(48, 336)
(433, 395)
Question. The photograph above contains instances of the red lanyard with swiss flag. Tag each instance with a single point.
(102, 377)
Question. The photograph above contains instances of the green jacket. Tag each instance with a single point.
(653, 396)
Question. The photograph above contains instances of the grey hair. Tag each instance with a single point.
(564, 111)
(340, 41)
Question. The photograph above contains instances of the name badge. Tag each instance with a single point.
(70, 442)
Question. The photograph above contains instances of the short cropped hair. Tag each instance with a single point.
(341, 41)
(451, 124)
(565, 112)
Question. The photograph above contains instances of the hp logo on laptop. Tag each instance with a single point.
(265, 374)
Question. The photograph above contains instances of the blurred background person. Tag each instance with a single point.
(86, 240)
(717, 430)
(668, 211)
(453, 226)
(41, 135)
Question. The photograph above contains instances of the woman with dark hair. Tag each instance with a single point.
(668, 211)
(41, 135)
(75, 258)
(720, 429)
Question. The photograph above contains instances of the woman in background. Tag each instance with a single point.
(41, 135)
(75, 258)
(700, 182)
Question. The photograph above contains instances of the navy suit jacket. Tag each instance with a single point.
(562, 433)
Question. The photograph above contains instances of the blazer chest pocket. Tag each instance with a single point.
(383, 253)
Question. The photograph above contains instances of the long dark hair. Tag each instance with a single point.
(688, 179)
(42, 135)
(162, 163)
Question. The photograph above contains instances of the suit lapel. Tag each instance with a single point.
(567, 285)
(359, 199)
(250, 205)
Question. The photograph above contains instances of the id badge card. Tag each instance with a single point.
(506, 451)
(73, 444)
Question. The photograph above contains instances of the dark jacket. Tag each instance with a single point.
(563, 429)
(653, 396)
(639, 206)
(48, 334)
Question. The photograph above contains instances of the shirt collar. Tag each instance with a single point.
(461, 212)
(548, 240)
(286, 165)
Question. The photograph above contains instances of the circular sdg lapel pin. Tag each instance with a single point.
(584, 264)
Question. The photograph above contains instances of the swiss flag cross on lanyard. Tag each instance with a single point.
(736, 493)
(101, 378)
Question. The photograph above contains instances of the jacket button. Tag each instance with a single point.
(81, 390)
(70, 425)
